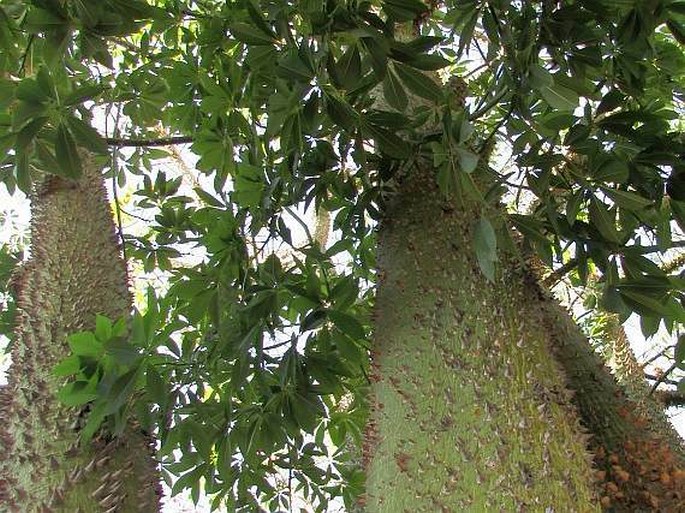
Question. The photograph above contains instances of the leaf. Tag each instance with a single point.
(85, 344)
(468, 160)
(251, 35)
(560, 97)
(347, 324)
(83, 93)
(29, 91)
(419, 83)
(389, 143)
(70, 365)
(293, 67)
(349, 67)
(679, 355)
(87, 136)
(603, 221)
(485, 244)
(66, 153)
(121, 391)
(340, 111)
(428, 62)
(540, 77)
(393, 92)
(627, 199)
(573, 206)
(103, 328)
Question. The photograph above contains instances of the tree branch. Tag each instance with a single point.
(164, 141)
(670, 397)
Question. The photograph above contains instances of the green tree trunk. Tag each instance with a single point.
(639, 458)
(75, 272)
(470, 411)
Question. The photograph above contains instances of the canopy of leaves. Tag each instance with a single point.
(252, 364)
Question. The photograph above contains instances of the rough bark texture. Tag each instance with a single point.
(639, 459)
(469, 408)
(74, 273)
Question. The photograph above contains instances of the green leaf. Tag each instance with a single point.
(83, 93)
(627, 199)
(468, 160)
(389, 143)
(103, 328)
(393, 92)
(419, 83)
(679, 355)
(86, 135)
(573, 206)
(66, 153)
(340, 111)
(67, 367)
(560, 97)
(293, 67)
(485, 244)
(428, 62)
(251, 35)
(30, 91)
(77, 393)
(85, 344)
(603, 220)
(121, 391)
(349, 68)
(540, 77)
(347, 324)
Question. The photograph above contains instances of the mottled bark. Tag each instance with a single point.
(75, 272)
(469, 408)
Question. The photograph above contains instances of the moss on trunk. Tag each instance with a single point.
(469, 408)
(74, 273)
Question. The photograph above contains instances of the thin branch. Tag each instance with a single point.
(663, 377)
(556, 276)
(660, 354)
(115, 192)
(665, 381)
(137, 143)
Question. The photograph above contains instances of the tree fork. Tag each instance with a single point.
(75, 272)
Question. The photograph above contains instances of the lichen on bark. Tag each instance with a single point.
(75, 272)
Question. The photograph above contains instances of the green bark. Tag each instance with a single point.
(469, 408)
(74, 273)
(640, 459)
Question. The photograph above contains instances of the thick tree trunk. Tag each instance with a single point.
(470, 411)
(640, 459)
(74, 273)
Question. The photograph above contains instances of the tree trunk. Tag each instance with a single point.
(75, 272)
(640, 459)
(470, 402)
(470, 411)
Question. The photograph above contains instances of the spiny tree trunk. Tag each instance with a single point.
(640, 459)
(470, 402)
(470, 411)
(74, 273)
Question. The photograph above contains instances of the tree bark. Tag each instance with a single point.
(638, 456)
(470, 411)
(75, 272)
